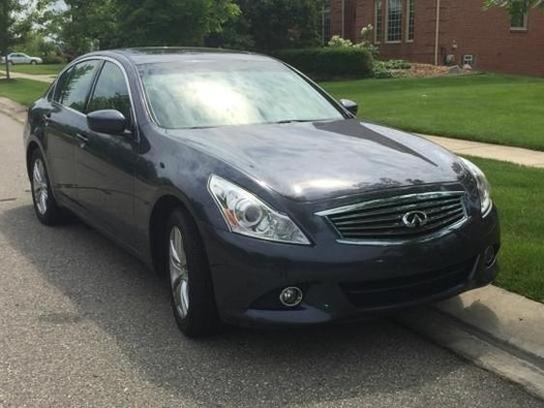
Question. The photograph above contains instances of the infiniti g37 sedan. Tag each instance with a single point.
(261, 199)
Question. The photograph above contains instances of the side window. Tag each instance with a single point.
(61, 85)
(111, 91)
(75, 89)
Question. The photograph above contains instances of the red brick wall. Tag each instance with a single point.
(484, 33)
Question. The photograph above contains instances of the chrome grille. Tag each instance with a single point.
(389, 218)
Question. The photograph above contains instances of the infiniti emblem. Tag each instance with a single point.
(415, 219)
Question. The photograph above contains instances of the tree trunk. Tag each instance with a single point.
(7, 68)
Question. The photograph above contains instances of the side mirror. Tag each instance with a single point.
(107, 121)
(351, 106)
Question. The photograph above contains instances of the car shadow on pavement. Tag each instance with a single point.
(115, 293)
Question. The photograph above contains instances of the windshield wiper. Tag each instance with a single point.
(296, 121)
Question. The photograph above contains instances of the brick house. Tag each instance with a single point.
(436, 31)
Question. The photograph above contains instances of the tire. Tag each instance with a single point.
(187, 269)
(33, 62)
(46, 208)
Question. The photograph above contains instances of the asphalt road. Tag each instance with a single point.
(84, 324)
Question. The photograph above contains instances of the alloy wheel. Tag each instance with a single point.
(179, 273)
(40, 187)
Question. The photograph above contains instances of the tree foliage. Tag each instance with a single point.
(82, 25)
(173, 22)
(515, 6)
(278, 24)
(11, 29)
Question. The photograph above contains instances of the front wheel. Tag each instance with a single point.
(45, 205)
(33, 62)
(191, 288)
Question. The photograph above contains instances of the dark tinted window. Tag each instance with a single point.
(75, 88)
(111, 91)
(61, 82)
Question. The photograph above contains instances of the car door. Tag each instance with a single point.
(16, 58)
(25, 59)
(105, 162)
(64, 124)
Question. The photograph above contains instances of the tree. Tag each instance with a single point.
(515, 6)
(85, 25)
(275, 24)
(81, 25)
(9, 29)
(173, 22)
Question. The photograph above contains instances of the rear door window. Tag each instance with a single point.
(75, 84)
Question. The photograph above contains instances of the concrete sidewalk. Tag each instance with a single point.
(40, 78)
(516, 155)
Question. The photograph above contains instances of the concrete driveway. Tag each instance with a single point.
(84, 324)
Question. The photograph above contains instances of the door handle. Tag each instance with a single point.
(82, 138)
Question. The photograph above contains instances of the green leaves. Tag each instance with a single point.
(515, 6)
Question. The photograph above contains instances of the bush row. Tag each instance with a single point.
(330, 62)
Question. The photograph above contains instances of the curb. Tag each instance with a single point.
(496, 330)
(13, 109)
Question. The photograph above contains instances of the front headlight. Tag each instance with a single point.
(484, 188)
(246, 214)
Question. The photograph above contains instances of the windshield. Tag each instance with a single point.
(210, 94)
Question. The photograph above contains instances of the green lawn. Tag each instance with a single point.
(42, 69)
(23, 91)
(493, 108)
(519, 195)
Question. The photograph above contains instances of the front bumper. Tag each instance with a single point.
(342, 281)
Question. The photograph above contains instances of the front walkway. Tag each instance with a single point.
(516, 155)
(40, 78)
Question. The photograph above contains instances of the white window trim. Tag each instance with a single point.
(525, 23)
(407, 33)
(386, 31)
(376, 41)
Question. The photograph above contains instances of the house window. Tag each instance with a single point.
(519, 21)
(394, 21)
(378, 23)
(410, 22)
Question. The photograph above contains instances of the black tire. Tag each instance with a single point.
(201, 318)
(53, 214)
(33, 62)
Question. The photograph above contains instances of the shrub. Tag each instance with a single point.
(330, 62)
(53, 58)
(396, 64)
(390, 68)
(381, 71)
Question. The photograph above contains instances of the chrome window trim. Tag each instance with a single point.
(101, 58)
(401, 241)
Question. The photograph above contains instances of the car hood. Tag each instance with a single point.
(321, 160)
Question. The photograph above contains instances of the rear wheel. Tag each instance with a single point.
(191, 288)
(45, 205)
(33, 62)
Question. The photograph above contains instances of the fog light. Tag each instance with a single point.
(291, 296)
(489, 256)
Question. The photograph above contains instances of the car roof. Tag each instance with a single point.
(148, 55)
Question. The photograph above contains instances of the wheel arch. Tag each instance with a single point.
(158, 218)
(32, 146)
